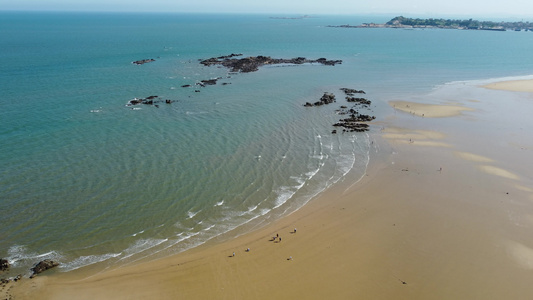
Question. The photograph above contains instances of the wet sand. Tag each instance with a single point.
(439, 215)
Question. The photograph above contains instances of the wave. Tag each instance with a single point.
(18, 255)
(209, 228)
(141, 246)
(135, 234)
(191, 214)
(84, 261)
(252, 208)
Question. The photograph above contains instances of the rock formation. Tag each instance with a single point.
(252, 64)
(327, 98)
(351, 92)
(43, 266)
(150, 100)
(362, 101)
(142, 61)
(4, 264)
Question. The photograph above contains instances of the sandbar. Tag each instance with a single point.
(512, 85)
(429, 110)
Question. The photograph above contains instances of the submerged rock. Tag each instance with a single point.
(142, 61)
(150, 100)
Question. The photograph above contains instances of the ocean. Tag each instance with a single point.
(90, 182)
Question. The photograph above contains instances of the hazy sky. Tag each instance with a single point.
(509, 8)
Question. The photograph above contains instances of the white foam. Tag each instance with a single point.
(142, 245)
(209, 228)
(312, 174)
(84, 261)
(135, 234)
(283, 196)
(191, 214)
(18, 255)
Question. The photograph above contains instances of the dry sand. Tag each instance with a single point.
(434, 218)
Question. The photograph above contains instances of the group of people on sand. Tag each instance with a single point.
(277, 237)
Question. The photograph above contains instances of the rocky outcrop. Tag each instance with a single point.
(362, 101)
(353, 127)
(252, 63)
(327, 98)
(355, 123)
(150, 100)
(351, 92)
(4, 265)
(205, 82)
(43, 266)
(209, 81)
(143, 61)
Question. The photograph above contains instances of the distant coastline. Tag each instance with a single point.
(291, 18)
(406, 23)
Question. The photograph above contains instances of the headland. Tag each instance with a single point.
(406, 23)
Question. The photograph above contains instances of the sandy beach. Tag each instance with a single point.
(439, 215)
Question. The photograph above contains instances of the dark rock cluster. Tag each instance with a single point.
(362, 101)
(356, 122)
(43, 266)
(37, 269)
(4, 265)
(252, 63)
(150, 100)
(327, 98)
(142, 61)
(205, 82)
(351, 92)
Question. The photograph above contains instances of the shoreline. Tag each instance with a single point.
(434, 217)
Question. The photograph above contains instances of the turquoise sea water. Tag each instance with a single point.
(88, 181)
